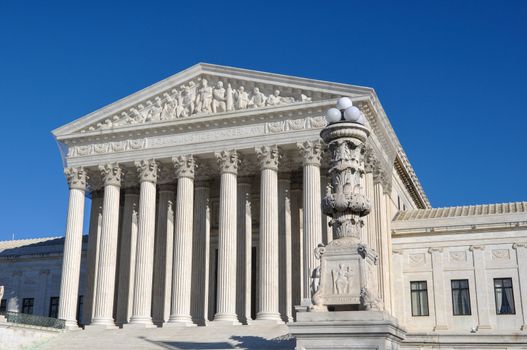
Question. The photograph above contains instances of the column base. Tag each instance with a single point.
(179, 321)
(3, 319)
(268, 317)
(225, 319)
(140, 322)
(71, 326)
(101, 324)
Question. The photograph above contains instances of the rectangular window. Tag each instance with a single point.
(419, 292)
(3, 305)
(27, 305)
(460, 297)
(504, 296)
(53, 307)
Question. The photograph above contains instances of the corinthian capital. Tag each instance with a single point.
(76, 178)
(111, 174)
(311, 152)
(228, 161)
(184, 166)
(147, 170)
(269, 157)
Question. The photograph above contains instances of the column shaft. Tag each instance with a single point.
(144, 263)
(103, 314)
(200, 255)
(285, 250)
(127, 249)
(164, 245)
(69, 285)
(312, 223)
(226, 302)
(296, 243)
(244, 261)
(93, 255)
(183, 230)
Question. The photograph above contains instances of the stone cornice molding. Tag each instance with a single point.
(397, 252)
(268, 156)
(147, 170)
(111, 174)
(228, 161)
(311, 152)
(184, 166)
(433, 250)
(76, 177)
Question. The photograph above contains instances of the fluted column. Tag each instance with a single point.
(311, 152)
(200, 254)
(144, 261)
(69, 284)
(127, 248)
(103, 314)
(296, 240)
(226, 301)
(268, 276)
(244, 261)
(182, 274)
(164, 248)
(92, 260)
(284, 243)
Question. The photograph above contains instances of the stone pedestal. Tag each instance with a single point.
(364, 330)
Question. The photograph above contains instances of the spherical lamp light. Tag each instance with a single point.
(352, 114)
(343, 103)
(333, 115)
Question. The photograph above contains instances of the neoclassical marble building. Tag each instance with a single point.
(205, 194)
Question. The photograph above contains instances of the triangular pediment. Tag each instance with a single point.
(207, 90)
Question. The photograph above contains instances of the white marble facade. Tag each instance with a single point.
(205, 194)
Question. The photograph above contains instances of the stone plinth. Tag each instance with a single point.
(364, 330)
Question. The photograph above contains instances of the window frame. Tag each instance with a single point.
(502, 288)
(418, 292)
(52, 304)
(460, 289)
(28, 304)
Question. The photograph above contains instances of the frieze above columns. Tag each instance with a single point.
(76, 177)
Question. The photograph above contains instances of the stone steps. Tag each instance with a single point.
(211, 338)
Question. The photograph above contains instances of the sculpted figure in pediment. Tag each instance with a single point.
(257, 98)
(187, 97)
(229, 98)
(204, 98)
(242, 98)
(156, 110)
(274, 99)
(219, 100)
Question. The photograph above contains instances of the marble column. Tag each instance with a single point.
(521, 256)
(105, 290)
(268, 295)
(481, 286)
(182, 260)
(244, 261)
(296, 240)
(226, 301)
(327, 231)
(128, 245)
(92, 259)
(71, 263)
(311, 152)
(164, 247)
(200, 254)
(380, 213)
(438, 282)
(284, 244)
(144, 258)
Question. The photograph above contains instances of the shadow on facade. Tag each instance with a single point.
(243, 342)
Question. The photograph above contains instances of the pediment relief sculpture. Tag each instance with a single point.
(206, 95)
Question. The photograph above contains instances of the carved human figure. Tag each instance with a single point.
(156, 110)
(257, 98)
(188, 98)
(204, 98)
(230, 98)
(219, 100)
(274, 99)
(340, 279)
(242, 98)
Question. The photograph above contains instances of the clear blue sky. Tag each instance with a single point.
(451, 76)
